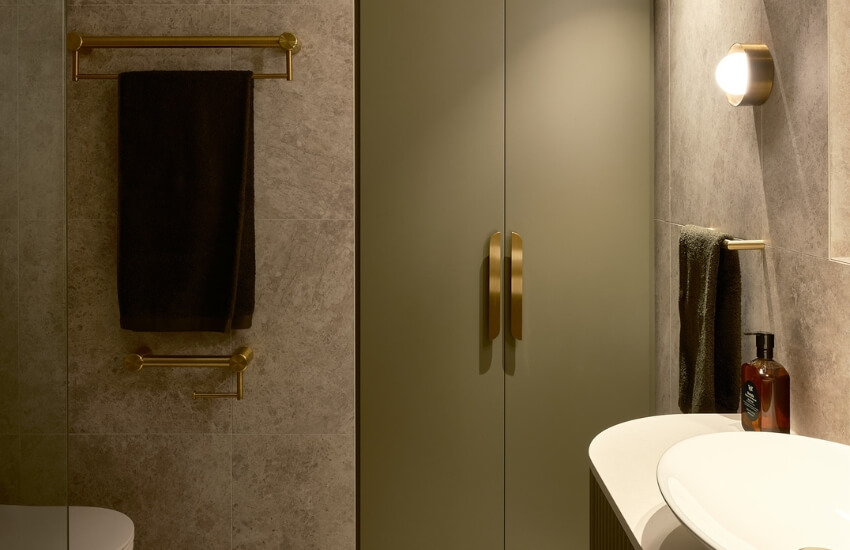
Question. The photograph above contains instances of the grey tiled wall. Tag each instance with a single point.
(839, 128)
(32, 254)
(758, 172)
(277, 469)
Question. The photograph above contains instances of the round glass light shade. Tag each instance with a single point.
(746, 74)
(733, 73)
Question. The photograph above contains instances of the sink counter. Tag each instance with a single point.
(623, 459)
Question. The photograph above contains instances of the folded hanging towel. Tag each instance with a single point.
(710, 314)
(186, 200)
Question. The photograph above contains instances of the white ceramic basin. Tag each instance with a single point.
(760, 491)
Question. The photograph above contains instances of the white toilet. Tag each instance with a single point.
(43, 528)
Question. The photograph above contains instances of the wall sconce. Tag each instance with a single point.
(746, 74)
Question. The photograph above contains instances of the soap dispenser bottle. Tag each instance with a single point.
(765, 390)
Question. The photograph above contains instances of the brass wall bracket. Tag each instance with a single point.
(237, 362)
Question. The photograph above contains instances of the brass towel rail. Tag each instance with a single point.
(78, 43)
(740, 244)
(237, 362)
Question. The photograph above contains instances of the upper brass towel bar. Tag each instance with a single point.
(77, 43)
(237, 363)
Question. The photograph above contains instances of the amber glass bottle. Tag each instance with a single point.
(765, 390)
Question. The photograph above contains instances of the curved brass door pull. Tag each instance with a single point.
(494, 285)
(516, 286)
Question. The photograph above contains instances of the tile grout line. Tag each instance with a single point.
(18, 203)
(169, 5)
(669, 112)
(221, 434)
(671, 386)
(232, 406)
(672, 400)
(65, 196)
(829, 251)
(114, 219)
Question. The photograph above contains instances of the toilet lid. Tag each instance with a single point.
(44, 527)
(99, 529)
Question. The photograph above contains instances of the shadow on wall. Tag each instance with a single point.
(793, 129)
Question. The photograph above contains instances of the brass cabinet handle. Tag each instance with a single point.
(494, 285)
(516, 286)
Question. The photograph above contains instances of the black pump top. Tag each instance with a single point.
(764, 344)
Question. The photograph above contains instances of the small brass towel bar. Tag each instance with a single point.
(237, 363)
(78, 43)
(738, 244)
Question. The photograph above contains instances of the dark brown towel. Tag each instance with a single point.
(186, 200)
(710, 314)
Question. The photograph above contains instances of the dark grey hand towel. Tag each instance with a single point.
(710, 315)
(186, 200)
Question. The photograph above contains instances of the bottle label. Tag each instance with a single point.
(750, 402)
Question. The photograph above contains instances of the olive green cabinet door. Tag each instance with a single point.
(431, 193)
(578, 191)
(477, 117)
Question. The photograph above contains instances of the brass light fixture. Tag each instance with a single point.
(746, 74)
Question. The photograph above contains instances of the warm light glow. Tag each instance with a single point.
(733, 73)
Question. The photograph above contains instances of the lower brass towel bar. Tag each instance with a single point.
(237, 363)
(78, 43)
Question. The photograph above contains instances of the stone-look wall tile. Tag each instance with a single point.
(794, 136)
(758, 303)
(103, 396)
(331, 5)
(175, 488)
(663, 316)
(662, 110)
(48, 3)
(42, 330)
(839, 127)
(10, 410)
(303, 333)
(133, 3)
(790, 288)
(92, 106)
(302, 378)
(10, 468)
(8, 112)
(293, 491)
(716, 178)
(304, 129)
(92, 130)
(149, 20)
(41, 163)
(43, 470)
(813, 323)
